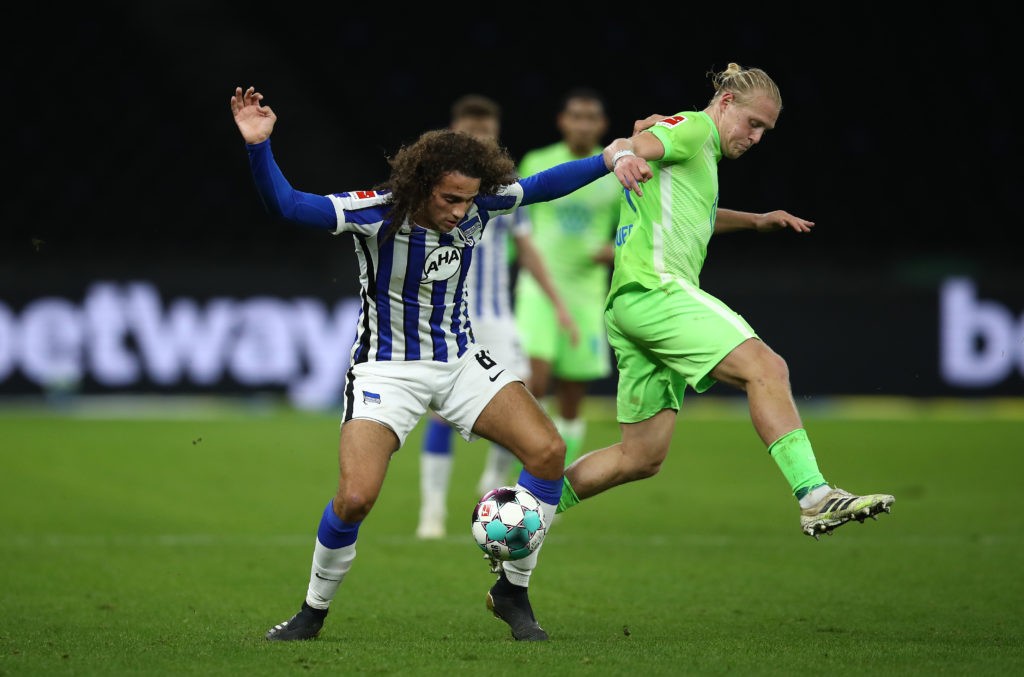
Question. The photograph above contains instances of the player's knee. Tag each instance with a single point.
(765, 367)
(774, 368)
(353, 506)
(546, 457)
(648, 467)
(643, 458)
(648, 464)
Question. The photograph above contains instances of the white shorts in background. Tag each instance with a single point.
(501, 337)
(397, 393)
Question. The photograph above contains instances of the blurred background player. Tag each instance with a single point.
(490, 307)
(574, 235)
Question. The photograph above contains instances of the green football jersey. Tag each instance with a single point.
(664, 234)
(569, 231)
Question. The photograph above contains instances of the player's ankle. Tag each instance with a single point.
(814, 495)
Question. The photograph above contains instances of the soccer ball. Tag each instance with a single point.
(508, 523)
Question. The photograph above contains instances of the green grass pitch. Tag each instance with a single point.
(168, 545)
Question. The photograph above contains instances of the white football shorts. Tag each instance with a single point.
(398, 393)
(501, 337)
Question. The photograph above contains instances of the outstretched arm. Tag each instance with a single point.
(256, 123)
(728, 220)
(561, 179)
(569, 176)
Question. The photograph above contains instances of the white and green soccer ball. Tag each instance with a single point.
(508, 523)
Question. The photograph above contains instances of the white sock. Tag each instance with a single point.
(435, 474)
(519, 571)
(496, 468)
(328, 571)
(571, 428)
(814, 495)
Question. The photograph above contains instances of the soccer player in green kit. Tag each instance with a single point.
(668, 333)
(574, 235)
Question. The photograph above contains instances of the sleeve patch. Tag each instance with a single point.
(672, 121)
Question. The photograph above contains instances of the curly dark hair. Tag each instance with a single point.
(417, 168)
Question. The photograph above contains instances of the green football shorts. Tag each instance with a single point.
(544, 339)
(665, 339)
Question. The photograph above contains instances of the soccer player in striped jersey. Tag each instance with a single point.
(494, 325)
(668, 333)
(414, 350)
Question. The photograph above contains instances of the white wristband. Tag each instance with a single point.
(619, 155)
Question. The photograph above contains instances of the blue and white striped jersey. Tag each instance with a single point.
(490, 277)
(414, 291)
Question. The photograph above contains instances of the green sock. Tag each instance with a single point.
(795, 458)
(569, 497)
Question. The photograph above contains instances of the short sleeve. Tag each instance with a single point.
(682, 135)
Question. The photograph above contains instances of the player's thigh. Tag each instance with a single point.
(393, 394)
(537, 323)
(475, 379)
(682, 327)
(515, 420)
(749, 360)
(646, 386)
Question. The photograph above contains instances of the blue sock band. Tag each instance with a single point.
(438, 438)
(335, 532)
(548, 491)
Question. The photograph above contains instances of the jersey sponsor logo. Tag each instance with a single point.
(132, 336)
(441, 264)
(622, 233)
(672, 121)
(364, 194)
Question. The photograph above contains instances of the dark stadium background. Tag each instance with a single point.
(898, 137)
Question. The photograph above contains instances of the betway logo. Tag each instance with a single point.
(122, 334)
(982, 342)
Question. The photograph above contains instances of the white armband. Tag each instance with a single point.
(619, 155)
